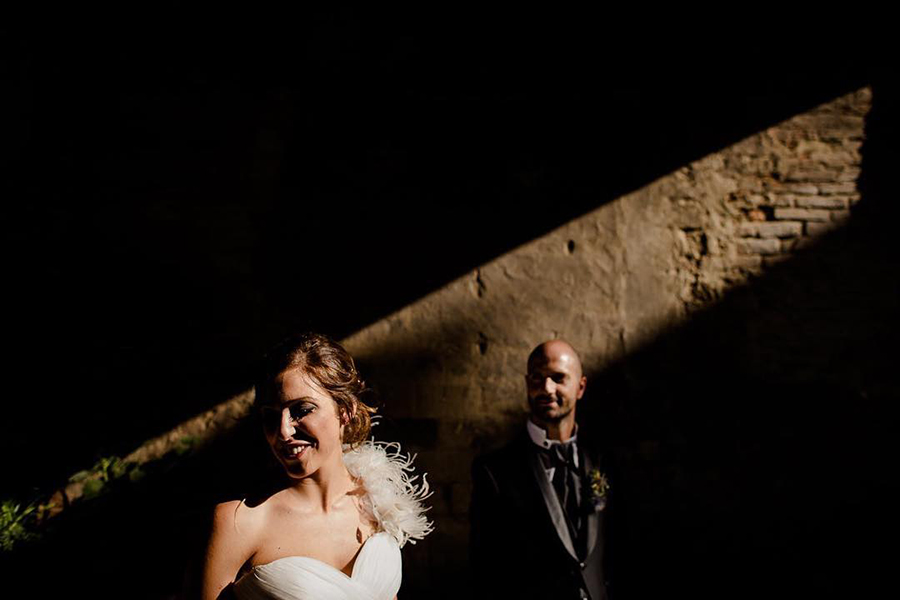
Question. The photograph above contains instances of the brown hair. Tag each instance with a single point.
(332, 368)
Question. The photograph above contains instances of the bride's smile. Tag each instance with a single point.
(336, 529)
(304, 427)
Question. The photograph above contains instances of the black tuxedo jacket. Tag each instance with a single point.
(520, 545)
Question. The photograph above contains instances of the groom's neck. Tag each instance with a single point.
(561, 430)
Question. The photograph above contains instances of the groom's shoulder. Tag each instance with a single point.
(511, 452)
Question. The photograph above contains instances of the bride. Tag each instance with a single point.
(335, 531)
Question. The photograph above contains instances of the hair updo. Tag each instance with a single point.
(331, 367)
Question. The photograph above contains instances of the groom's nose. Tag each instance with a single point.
(549, 385)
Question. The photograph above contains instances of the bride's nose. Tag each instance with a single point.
(286, 430)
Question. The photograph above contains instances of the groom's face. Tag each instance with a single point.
(555, 382)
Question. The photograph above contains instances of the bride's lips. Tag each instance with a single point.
(296, 451)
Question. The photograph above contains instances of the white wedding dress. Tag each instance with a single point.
(393, 500)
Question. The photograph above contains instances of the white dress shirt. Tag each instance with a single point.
(539, 437)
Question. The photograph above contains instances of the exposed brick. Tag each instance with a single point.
(810, 172)
(838, 124)
(688, 215)
(844, 187)
(840, 215)
(756, 199)
(759, 246)
(802, 214)
(848, 174)
(838, 157)
(782, 200)
(839, 135)
(789, 245)
(747, 261)
(772, 229)
(775, 259)
(757, 185)
(822, 202)
(807, 189)
(831, 155)
(750, 165)
(816, 229)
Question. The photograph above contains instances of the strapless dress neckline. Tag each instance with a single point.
(376, 575)
(359, 555)
(393, 500)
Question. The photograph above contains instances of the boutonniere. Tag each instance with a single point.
(599, 485)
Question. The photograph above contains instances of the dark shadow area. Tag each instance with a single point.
(182, 202)
(754, 445)
(184, 193)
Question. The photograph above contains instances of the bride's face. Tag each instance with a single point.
(302, 426)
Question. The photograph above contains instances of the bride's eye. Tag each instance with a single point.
(298, 412)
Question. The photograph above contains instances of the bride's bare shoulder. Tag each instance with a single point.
(237, 530)
(253, 514)
(241, 518)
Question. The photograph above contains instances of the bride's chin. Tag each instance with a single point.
(297, 471)
(294, 465)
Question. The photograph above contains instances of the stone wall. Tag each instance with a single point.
(619, 280)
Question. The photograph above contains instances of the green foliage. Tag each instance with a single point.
(110, 468)
(136, 474)
(79, 476)
(15, 524)
(106, 472)
(20, 523)
(92, 488)
(185, 445)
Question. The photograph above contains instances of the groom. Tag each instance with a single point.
(538, 504)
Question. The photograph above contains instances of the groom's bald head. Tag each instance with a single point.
(555, 350)
(555, 381)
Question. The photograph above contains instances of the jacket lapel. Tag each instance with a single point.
(557, 517)
(593, 517)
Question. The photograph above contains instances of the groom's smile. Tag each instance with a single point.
(554, 381)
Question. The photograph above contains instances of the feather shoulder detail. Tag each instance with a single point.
(394, 499)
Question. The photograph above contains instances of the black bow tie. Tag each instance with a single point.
(560, 456)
